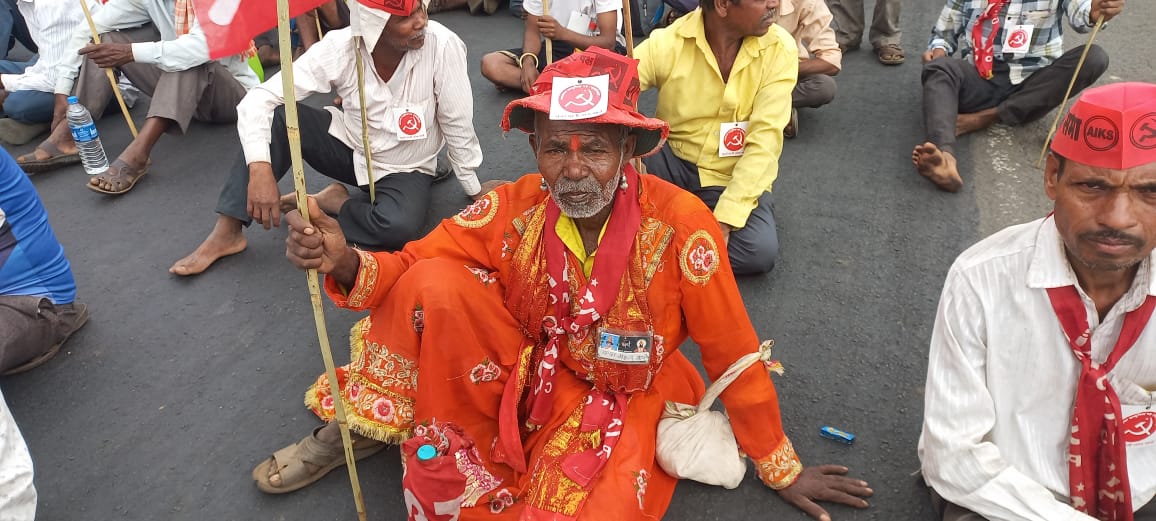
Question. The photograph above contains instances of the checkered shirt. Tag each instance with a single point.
(953, 30)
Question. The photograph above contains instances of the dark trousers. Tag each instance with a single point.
(948, 511)
(953, 86)
(32, 326)
(813, 91)
(13, 29)
(754, 248)
(402, 198)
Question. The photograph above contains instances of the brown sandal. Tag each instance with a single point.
(890, 54)
(56, 159)
(122, 176)
(290, 462)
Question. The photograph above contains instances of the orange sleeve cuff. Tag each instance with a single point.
(357, 296)
(780, 468)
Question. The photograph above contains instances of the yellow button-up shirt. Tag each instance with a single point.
(695, 100)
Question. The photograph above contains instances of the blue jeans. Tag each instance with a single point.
(12, 26)
(26, 106)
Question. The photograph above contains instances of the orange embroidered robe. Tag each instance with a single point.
(456, 315)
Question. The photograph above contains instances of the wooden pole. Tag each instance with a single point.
(549, 42)
(629, 26)
(293, 130)
(1071, 84)
(111, 75)
(358, 43)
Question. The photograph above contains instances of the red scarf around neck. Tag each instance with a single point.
(985, 49)
(1098, 463)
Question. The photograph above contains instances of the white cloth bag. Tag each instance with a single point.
(697, 443)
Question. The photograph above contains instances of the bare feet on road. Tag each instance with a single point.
(226, 239)
(937, 166)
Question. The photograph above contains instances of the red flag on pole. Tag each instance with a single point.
(230, 25)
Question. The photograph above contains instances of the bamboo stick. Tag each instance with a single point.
(358, 43)
(1071, 84)
(293, 130)
(629, 26)
(111, 75)
(549, 42)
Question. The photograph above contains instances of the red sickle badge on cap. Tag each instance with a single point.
(1112, 127)
(578, 98)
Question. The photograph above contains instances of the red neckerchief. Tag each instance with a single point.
(603, 410)
(1098, 466)
(985, 50)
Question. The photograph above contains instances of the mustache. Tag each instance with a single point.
(1109, 234)
(566, 186)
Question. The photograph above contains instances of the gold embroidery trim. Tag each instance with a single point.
(687, 249)
(366, 280)
(470, 218)
(780, 468)
(550, 489)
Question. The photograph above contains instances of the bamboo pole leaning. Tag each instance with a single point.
(1071, 84)
(111, 75)
(293, 130)
(549, 42)
(358, 44)
(628, 25)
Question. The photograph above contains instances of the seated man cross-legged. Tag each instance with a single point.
(423, 103)
(1012, 70)
(724, 74)
(160, 47)
(492, 323)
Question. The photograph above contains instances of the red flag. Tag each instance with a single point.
(230, 25)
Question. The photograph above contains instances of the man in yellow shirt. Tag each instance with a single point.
(725, 73)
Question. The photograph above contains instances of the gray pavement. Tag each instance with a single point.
(160, 407)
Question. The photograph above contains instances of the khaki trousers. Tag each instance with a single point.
(206, 93)
(849, 22)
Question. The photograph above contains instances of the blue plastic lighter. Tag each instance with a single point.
(840, 436)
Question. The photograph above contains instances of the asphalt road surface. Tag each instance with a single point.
(161, 406)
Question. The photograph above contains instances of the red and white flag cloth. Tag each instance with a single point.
(230, 25)
(1098, 462)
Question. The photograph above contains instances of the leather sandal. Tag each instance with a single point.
(293, 463)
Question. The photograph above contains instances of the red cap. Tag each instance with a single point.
(1113, 126)
(621, 97)
(393, 7)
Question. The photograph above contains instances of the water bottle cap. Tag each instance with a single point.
(73, 100)
(426, 452)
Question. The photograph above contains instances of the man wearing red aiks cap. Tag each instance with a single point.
(1040, 388)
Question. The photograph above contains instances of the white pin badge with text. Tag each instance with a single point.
(732, 138)
(410, 125)
(579, 98)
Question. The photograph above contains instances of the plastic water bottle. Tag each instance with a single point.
(426, 452)
(86, 138)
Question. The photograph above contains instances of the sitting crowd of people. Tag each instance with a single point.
(556, 422)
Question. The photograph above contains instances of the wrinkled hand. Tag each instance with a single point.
(933, 54)
(264, 199)
(488, 187)
(549, 27)
(108, 54)
(1108, 8)
(529, 76)
(825, 483)
(320, 245)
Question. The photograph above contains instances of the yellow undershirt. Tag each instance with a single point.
(567, 230)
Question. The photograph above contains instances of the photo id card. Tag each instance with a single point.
(626, 347)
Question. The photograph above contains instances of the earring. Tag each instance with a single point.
(544, 186)
(622, 184)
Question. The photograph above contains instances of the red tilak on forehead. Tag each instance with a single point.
(574, 144)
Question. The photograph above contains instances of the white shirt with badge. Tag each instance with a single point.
(580, 16)
(1001, 380)
(426, 104)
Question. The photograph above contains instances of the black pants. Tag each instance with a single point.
(752, 249)
(952, 86)
(402, 198)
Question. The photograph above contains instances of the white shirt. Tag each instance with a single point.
(576, 15)
(51, 24)
(17, 494)
(1001, 381)
(171, 54)
(431, 81)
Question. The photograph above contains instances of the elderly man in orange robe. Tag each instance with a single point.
(499, 320)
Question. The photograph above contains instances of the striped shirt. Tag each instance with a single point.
(1001, 379)
(51, 24)
(1047, 41)
(432, 81)
(172, 53)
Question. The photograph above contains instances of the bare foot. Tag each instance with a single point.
(225, 239)
(968, 123)
(937, 166)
